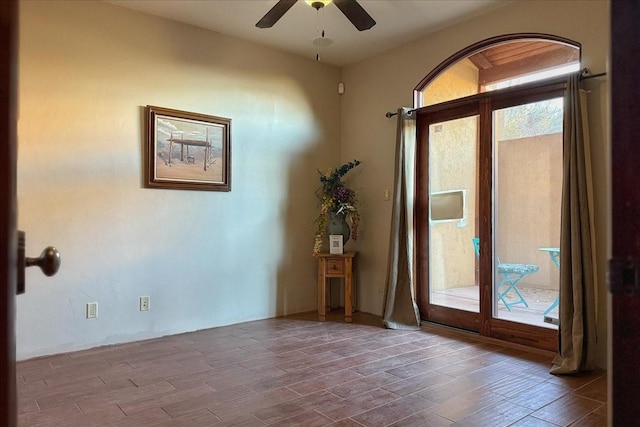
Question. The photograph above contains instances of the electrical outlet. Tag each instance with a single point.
(144, 303)
(92, 310)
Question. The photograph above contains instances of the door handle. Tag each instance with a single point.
(48, 261)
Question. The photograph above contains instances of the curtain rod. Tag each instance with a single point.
(390, 114)
(584, 75)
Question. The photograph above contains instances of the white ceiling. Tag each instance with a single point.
(397, 22)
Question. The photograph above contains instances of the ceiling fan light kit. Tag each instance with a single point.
(322, 41)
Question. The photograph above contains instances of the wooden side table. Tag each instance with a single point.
(335, 265)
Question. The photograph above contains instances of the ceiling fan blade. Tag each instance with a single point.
(356, 14)
(275, 13)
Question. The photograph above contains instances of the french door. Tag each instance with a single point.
(488, 191)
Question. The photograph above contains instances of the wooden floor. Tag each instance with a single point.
(296, 371)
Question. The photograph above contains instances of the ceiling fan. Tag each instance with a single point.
(350, 8)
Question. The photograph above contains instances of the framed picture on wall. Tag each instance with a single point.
(187, 151)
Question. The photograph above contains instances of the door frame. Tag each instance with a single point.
(8, 234)
(424, 118)
(482, 104)
(624, 310)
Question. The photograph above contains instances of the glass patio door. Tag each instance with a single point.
(488, 194)
(527, 170)
(452, 189)
(452, 163)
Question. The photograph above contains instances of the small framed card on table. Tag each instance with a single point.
(335, 244)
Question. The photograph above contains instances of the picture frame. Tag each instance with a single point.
(187, 151)
(336, 244)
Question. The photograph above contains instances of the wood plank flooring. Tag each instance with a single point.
(296, 371)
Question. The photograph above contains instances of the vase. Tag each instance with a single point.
(338, 226)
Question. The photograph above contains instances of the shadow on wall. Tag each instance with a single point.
(296, 287)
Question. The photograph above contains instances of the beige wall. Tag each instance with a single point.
(86, 71)
(386, 82)
(457, 81)
(528, 196)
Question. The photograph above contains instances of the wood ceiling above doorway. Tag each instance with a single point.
(518, 58)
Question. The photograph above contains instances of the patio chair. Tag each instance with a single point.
(553, 305)
(511, 275)
(555, 258)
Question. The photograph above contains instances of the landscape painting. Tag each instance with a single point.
(186, 150)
